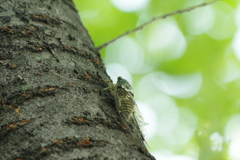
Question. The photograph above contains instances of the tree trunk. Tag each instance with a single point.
(49, 76)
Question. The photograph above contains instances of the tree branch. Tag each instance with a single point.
(155, 18)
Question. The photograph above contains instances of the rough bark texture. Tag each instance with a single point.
(49, 74)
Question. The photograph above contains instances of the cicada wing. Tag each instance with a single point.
(137, 127)
(138, 121)
(139, 116)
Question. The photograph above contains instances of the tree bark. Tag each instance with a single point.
(49, 76)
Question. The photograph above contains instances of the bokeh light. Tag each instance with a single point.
(199, 21)
(185, 71)
(129, 6)
(232, 132)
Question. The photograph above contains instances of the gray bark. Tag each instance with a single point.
(49, 74)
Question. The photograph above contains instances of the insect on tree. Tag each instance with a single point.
(126, 107)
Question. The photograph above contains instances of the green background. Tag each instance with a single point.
(184, 69)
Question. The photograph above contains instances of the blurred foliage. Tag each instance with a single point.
(185, 71)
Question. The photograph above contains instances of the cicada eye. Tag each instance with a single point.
(120, 79)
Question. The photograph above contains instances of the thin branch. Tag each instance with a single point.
(154, 19)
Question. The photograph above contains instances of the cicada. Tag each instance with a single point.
(126, 106)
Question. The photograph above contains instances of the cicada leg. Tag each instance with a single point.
(111, 87)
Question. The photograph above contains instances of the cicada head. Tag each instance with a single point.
(123, 83)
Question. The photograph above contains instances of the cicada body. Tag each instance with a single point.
(124, 99)
(127, 107)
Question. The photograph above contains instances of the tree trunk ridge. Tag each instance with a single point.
(49, 76)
